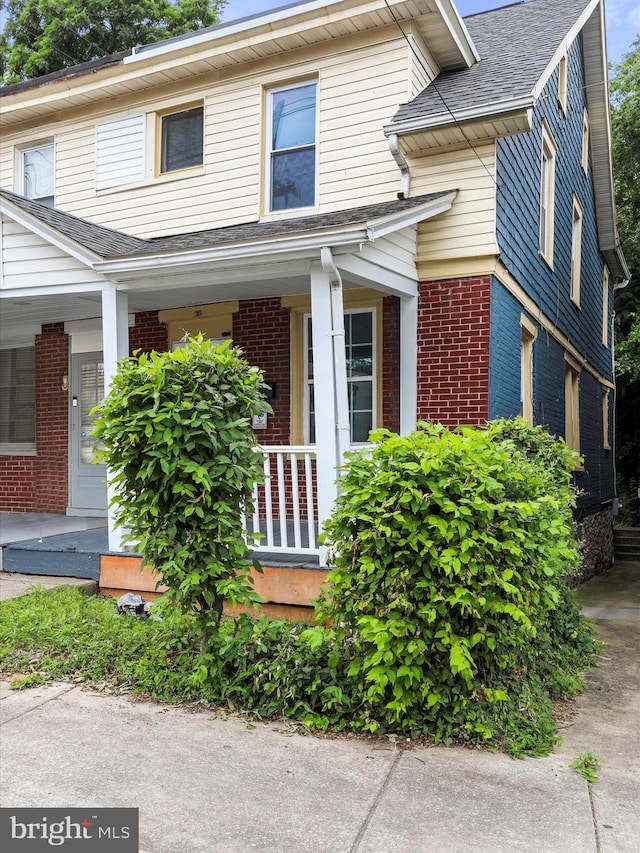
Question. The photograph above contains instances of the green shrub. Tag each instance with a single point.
(448, 553)
(175, 432)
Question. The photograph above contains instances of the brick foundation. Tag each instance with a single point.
(453, 351)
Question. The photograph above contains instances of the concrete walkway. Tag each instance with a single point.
(205, 783)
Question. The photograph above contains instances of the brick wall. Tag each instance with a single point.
(391, 363)
(17, 483)
(453, 351)
(52, 430)
(148, 333)
(261, 328)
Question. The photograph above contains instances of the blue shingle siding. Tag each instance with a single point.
(595, 482)
(504, 381)
(518, 200)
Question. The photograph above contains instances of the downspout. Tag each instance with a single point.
(398, 156)
(343, 428)
(619, 285)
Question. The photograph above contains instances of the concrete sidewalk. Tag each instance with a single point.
(205, 783)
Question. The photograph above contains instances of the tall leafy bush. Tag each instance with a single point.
(175, 432)
(448, 551)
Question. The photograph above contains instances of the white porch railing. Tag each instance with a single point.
(285, 505)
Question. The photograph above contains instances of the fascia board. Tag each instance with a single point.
(395, 221)
(485, 112)
(459, 32)
(234, 31)
(49, 233)
(279, 249)
(571, 36)
(276, 249)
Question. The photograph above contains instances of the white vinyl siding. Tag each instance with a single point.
(468, 229)
(361, 82)
(120, 150)
(31, 261)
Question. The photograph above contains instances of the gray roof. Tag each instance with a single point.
(98, 239)
(515, 43)
(112, 244)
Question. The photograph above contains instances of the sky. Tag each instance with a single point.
(623, 18)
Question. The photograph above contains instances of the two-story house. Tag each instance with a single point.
(398, 214)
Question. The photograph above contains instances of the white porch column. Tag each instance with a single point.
(329, 383)
(408, 363)
(115, 345)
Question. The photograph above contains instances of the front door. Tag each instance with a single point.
(87, 480)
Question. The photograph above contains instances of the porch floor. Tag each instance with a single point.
(67, 546)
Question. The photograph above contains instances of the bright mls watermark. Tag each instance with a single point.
(79, 830)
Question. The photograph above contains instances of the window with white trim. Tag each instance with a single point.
(528, 333)
(18, 400)
(605, 419)
(576, 251)
(35, 172)
(572, 406)
(360, 351)
(547, 194)
(291, 140)
(563, 83)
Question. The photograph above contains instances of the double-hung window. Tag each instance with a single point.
(17, 400)
(576, 251)
(528, 333)
(572, 403)
(292, 133)
(360, 350)
(35, 171)
(181, 139)
(547, 194)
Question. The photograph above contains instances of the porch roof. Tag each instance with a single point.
(107, 243)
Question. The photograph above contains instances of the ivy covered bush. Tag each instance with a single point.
(175, 432)
(448, 591)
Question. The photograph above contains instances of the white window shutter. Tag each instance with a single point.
(120, 147)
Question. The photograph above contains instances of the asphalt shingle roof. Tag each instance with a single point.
(109, 243)
(515, 44)
(98, 239)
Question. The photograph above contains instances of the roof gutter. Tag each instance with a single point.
(485, 111)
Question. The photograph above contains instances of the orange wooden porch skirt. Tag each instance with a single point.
(288, 592)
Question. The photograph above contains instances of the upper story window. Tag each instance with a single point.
(18, 400)
(576, 251)
(563, 83)
(547, 194)
(181, 134)
(35, 172)
(292, 135)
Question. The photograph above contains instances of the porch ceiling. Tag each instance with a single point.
(22, 316)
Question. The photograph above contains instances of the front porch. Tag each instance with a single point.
(42, 544)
